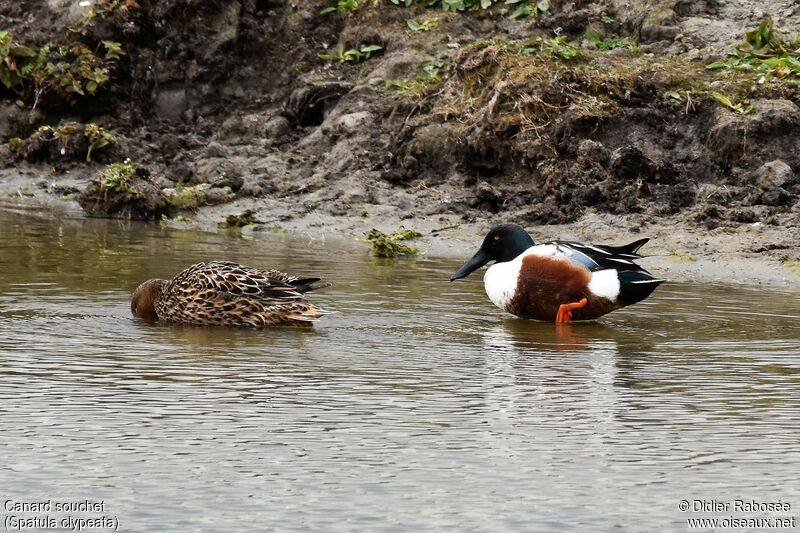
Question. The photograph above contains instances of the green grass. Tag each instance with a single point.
(609, 43)
(188, 197)
(352, 55)
(117, 177)
(428, 73)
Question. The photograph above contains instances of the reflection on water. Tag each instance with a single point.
(417, 404)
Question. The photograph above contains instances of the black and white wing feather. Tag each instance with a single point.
(602, 257)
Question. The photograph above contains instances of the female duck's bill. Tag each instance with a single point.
(559, 280)
(227, 294)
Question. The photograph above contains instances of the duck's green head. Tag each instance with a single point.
(503, 243)
(143, 303)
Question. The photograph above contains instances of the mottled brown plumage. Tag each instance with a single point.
(221, 293)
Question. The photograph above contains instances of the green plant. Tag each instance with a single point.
(188, 197)
(302, 67)
(103, 9)
(114, 50)
(423, 25)
(727, 102)
(98, 139)
(352, 55)
(792, 264)
(246, 218)
(68, 133)
(342, 6)
(674, 96)
(65, 133)
(75, 69)
(529, 10)
(117, 177)
(12, 55)
(178, 218)
(66, 70)
(764, 53)
(431, 68)
(464, 5)
(427, 74)
(557, 47)
(609, 43)
(387, 245)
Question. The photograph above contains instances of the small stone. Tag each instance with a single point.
(410, 162)
(629, 163)
(11, 117)
(776, 197)
(181, 171)
(593, 151)
(251, 189)
(487, 198)
(276, 127)
(162, 182)
(353, 121)
(171, 103)
(219, 195)
(231, 180)
(774, 174)
(215, 149)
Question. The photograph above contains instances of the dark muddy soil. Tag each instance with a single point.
(230, 101)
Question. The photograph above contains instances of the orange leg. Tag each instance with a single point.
(564, 314)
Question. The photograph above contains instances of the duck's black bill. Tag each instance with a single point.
(474, 263)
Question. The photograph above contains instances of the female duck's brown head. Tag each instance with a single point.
(144, 299)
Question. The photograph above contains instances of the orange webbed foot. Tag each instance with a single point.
(564, 314)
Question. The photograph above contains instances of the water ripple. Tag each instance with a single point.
(418, 405)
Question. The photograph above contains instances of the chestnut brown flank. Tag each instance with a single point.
(546, 282)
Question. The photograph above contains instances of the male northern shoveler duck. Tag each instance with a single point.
(221, 293)
(558, 280)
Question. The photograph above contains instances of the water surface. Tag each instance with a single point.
(417, 406)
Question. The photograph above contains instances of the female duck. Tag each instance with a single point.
(220, 293)
(559, 280)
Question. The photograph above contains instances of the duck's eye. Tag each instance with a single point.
(497, 237)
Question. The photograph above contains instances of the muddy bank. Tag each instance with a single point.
(595, 120)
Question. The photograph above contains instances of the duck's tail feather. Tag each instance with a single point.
(308, 313)
(631, 249)
(635, 286)
(309, 284)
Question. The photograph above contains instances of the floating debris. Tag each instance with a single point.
(384, 245)
(246, 218)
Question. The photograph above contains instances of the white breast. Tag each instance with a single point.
(500, 282)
